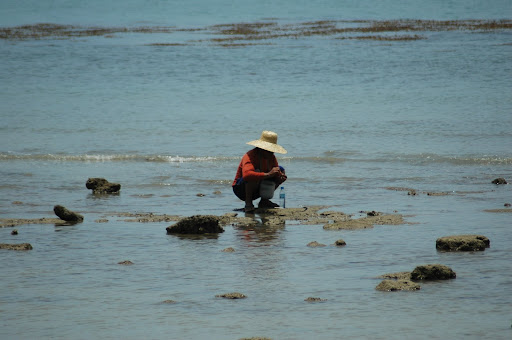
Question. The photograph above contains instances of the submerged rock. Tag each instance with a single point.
(397, 285)
(102, 186)
(462, 243)
(397, 276)
(340, 243)
(170, 302)
(314, 299)
(126, 263)
(433, 272)
(315, 244)
(21, 246)
(232, 296)
(198, 224)
(365, 222)
(12, 222)
(499, 181)
(67, 215)
(228, 250)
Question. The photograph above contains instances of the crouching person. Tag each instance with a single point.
(258, 172)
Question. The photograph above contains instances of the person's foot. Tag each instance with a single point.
(249, 208)
(266, 203)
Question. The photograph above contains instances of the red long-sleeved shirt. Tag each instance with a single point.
(250, 163)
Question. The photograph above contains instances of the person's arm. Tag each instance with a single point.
(250, 174)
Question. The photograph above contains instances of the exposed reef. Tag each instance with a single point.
(252, 33)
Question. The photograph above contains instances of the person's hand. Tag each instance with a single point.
(274, 172)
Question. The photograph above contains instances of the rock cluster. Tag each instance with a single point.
(197, 224)
(102, 186)
(406, 280)
(462, 243)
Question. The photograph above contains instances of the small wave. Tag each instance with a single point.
(455, 160)
(419, 159)
(109, 158)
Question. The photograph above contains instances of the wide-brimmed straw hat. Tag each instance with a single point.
(268, 141)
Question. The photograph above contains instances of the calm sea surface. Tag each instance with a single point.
(167, 114)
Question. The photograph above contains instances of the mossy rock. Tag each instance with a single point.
(21, 246)
(231, 296)
(432, 272)
(67, 215)
(197, 224)
(463, 243)
(397, 285)
(102, 186)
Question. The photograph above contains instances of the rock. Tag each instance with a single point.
(272, 221)
(232, 296)
(126, 263)
(22, 246)
(315, 244)
(340, 243)
(397, 285)
(499, 181)
(397, 276)
(432, 272)
(437, 194)
(314, 299)
(462, 243)
(228, 250)
(198, 224)
(14, 232)
(365, 222)
(12, 222)
(102, 186)
(67, 215)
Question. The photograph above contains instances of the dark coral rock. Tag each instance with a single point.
(102, 186)
(126, 263)
(340, 243)
(433, 272)
(67, 215)
(197, 224)
(500, 180)
(462, 243)
(397, 285)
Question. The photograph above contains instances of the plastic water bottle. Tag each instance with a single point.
(282, 198)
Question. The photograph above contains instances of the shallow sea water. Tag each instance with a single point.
(170, 121)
